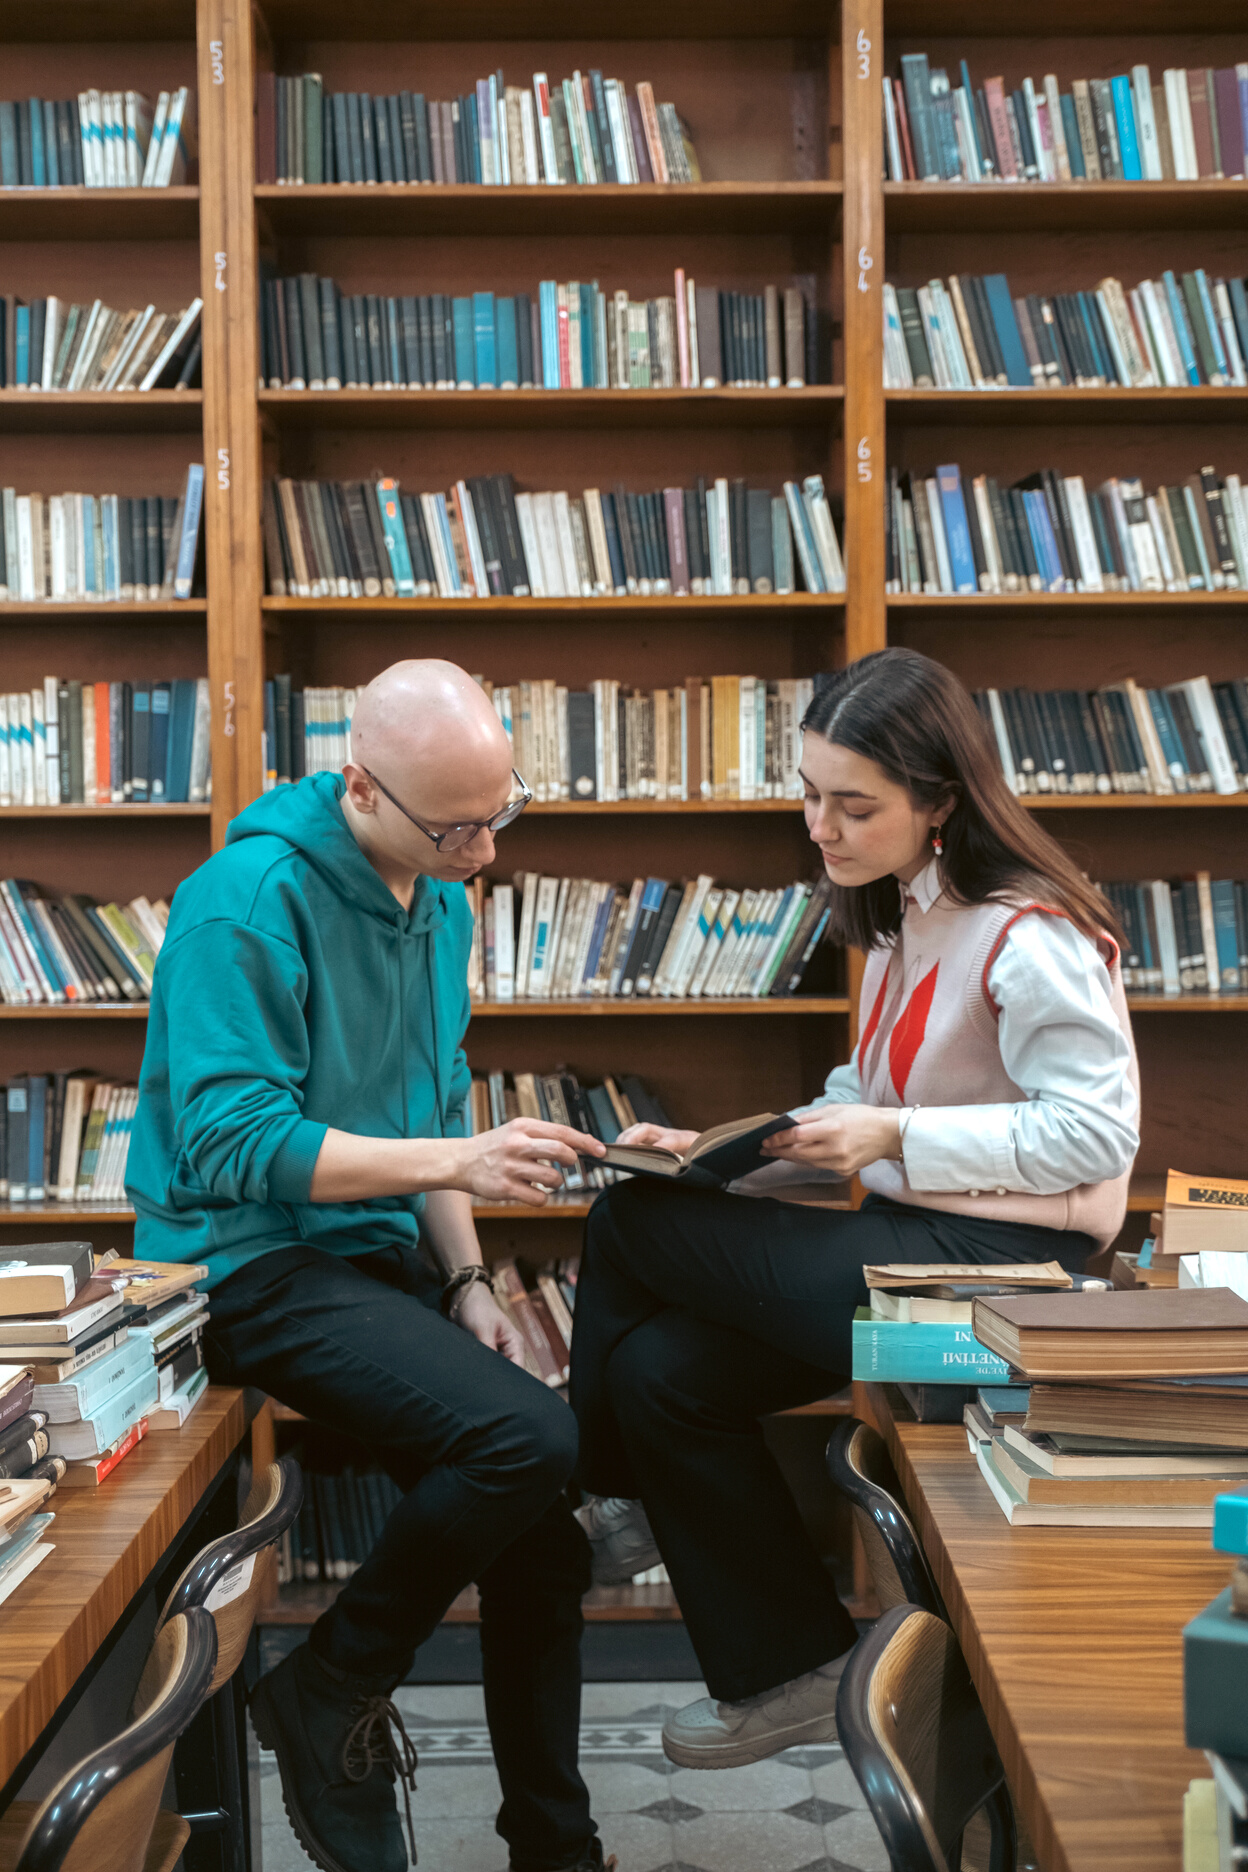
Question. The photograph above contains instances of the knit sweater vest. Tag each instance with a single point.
(928, 1028)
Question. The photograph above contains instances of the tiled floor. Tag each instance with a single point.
(800, 1812)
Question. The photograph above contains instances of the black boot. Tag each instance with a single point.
(330, 1731)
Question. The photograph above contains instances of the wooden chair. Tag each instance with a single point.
(105, 1814)
(231, 1579)
(858, 1465)
(919, 1745)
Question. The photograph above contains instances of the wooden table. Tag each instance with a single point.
(108, 1542)
(1072, 1636)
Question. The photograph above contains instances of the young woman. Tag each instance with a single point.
(990, 1109)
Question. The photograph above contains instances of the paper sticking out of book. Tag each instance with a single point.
(942, 1293)
(1203, 1213)
(717, 1157)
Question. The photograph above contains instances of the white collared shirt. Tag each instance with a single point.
(1060, 1043)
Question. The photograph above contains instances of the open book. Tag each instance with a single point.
(718, 1157)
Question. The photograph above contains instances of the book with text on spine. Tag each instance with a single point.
(932, 1353)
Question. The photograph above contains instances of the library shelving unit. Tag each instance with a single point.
(784, 103)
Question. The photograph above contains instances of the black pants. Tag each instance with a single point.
(483, 1453)
(697, 1312)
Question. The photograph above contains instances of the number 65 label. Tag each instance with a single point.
(864, 459)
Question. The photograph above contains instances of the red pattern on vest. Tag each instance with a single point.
(909, 1030)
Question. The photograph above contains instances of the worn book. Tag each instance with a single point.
(1065, 1455)
(1203, 1213)
(93, 1470)
(1151, 1334)
(1208, 1412)
(92, 1436)
(1153, 1489)
(95, 1302)
(1021, 1512)
(714, 1159)
(923, 1299)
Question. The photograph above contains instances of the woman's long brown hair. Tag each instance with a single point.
(914, 719)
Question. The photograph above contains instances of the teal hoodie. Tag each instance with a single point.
(293, 993)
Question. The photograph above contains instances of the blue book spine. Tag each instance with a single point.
(51, 155)
(115, 1372)
(1102, 358)
(108, 527)
(483, 340)
(1211, 320)
(38, 167)
(192, 507)
(982, 167)
(614, 553)
(158, 746)
(1183, 332)
(396, 538)
(474, 137)
(21, 366)
(589, 323)
(181, 731)
(10, 174)
(957, 532)
(448, 544)
(1222, 891)
(32, 931)
(1070, 124)
(1239, 299)
(889, 1351)
(508, 349)
(37, 1108)
(90, 571)
(548, 310)
(1017, 369)
(1167, 732)
(465, 358)
(1041, 523)
(1128, 142)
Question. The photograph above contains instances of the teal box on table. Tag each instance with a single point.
(1215, 1679)
(1230, 1524)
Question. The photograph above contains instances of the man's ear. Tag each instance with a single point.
(360, 790)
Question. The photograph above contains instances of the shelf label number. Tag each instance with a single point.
(864, 459)
(865, 264)
(223, 470)
(228, 727)
(862, 46)
(216, 51)
(219, 262)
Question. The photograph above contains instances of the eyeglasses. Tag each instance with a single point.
(457, 836)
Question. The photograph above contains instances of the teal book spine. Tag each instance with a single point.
(113, 1418)
(465, 351)
(483, 340)
(1222, 891)
(887, 1350)
(1182, 330)
(101, 1381)
(508, 358)
(396, 538)
(1124, 117)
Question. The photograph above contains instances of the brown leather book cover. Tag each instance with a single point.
(1155, 1309)
(1202, 133)
(693, 735)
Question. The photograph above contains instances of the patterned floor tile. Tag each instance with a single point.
(750, 1842)
(767, 1786)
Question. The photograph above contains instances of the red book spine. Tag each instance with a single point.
(106, 1464)
(903, 129)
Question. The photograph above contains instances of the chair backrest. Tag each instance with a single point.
(231, 1577)
(919, 1744)
(858, 1465)
(100, 1816)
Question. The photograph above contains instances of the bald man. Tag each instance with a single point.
(301, 1130)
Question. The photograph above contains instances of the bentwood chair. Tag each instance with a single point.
(105, 1814)
(231, 1579)
(917, 1740)
(859, 1466)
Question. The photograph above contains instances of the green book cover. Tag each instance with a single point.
(887, 1350)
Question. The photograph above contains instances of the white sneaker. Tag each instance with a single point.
(619, 1537)
(707, 1734)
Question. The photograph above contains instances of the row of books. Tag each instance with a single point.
(585, 130)
(729, 737)
(1188, 737)
(1049, 533)
(1188, 936)
(106, 743)
(483, 539)
(71, 949)
(602, 1111)
(1125, 128)
(115, 548)
(52, 344)
(338, 1525)
(565, 336)
(65, 1138)
(568, 939)
(971, 335)
(99, 139)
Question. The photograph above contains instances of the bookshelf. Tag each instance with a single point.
(774, 204)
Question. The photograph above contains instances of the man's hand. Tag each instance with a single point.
(479, 1313)
(842, 1138)
(515, 1162)
(678, 1141)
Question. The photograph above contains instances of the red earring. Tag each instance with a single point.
(938, 844)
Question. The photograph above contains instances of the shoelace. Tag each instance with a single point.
(377, 1739)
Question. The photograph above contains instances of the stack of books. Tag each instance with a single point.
(1125, 128)
(132, 549)
(51, 344)
(55, 951)
(916, 1332)
(100, 139)
(1187, 936)
(972, 335)
(483, 539)
(29, 1476)
(586, 130)
(1047, 532)
(1137, 1406)
(75, 743)
(566, 939)
(601, 1111)
(1188, 737)
(563, 336)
